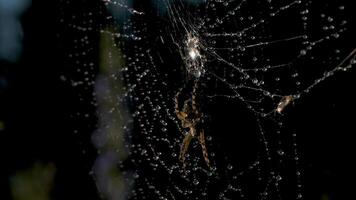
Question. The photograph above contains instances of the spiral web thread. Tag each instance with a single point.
(249, 58)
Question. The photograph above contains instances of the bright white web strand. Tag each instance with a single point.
(326, 75)
(272, 42)
(141, 120)
(273, 95)
(123, 5)
(317, 81)
(239, 69)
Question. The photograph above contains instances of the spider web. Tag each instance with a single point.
(257, 54)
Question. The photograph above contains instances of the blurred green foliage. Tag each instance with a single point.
(34, 183)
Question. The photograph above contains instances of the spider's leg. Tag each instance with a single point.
(203, 146)
(176, 101)
(194, 96)
(184, 148)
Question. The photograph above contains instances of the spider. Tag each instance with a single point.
(190, 117)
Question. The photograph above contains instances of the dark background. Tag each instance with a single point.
(39, 110)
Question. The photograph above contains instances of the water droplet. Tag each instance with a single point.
(195, 182)
(278, 178)
(229, 167)
(280, 152)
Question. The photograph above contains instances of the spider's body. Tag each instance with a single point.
(194, 59)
